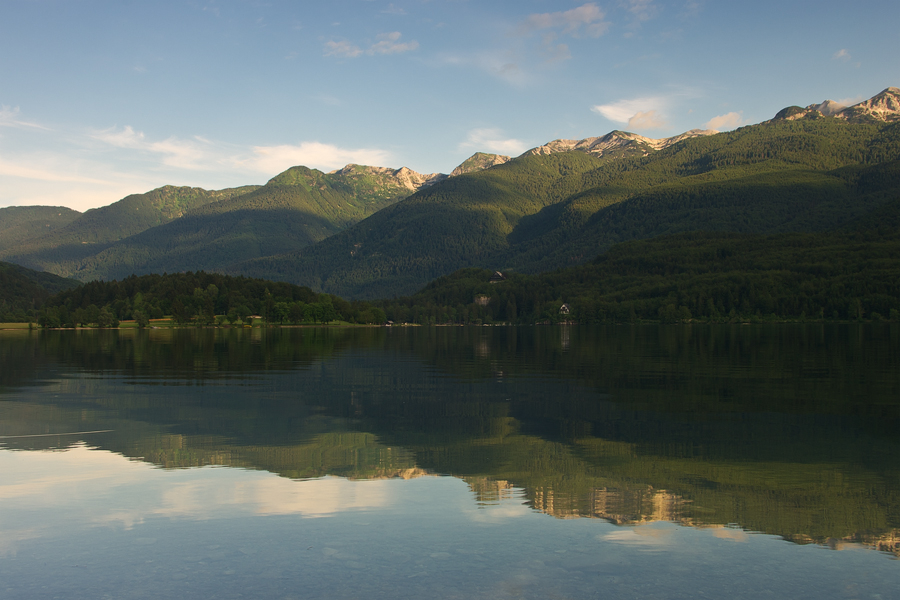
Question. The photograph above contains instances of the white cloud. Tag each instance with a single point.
(850, 101)
(275, 159)
(691, 8)
(9, 117)
(643, 10)
(63, 178)
(126, 138)
(492, 140)
(32, 169)
(502, 64)
(201, 154)
(842, 55)
(84, 170)
(587, 18)
(725, 122)
(388, 43)
(554, 52)
(650, 119)
(624, 111)
(342, 49)
(192, 154)
(394, 10)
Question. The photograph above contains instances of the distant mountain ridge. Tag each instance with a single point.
(403, 176)
(883, 107)
(365, 231)
(179, 228)
(617, 142)
(561, 204)
(84, 235)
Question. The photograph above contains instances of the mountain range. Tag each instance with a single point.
(367, 232)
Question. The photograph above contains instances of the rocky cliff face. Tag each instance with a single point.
(402, 177)
(413, 181)
(829, 108)
(478, 162)
(883, 107)
(616, 141)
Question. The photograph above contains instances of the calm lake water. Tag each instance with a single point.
(528, 462)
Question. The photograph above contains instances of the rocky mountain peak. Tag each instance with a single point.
(829, 108)
(616, 141)
(403, 177)
(478, 162)
(884, 106)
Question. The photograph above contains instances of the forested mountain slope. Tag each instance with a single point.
(174, 229)
(23, 290)
(848, 273)
(61, 250)
(544, 211)
(294, 209)
(19, 223)
(781, 176)
(461, 221)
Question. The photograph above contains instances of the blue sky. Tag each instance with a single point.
(101, 99)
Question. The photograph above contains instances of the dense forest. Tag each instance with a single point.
(58, 240)
(542, 212)
(24, 291)
(852, 273)
(847, 274)
(198, 299)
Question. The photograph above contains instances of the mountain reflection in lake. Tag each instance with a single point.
(428, 462)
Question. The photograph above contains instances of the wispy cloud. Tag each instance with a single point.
(342, 49)
(10, 117)
(691, 8)
(274, 159)
(623, 110)
(198, 153)
(643, 10)
(552, 51)
(193, 154)
(94, 168)
(725, 122)
(842, 55)
(650, 119)
(493, 140)
(850, 101)
(637, 113)
(387, 43)
(28, 168)
(586, 19)
(503, 64)
(393, 9)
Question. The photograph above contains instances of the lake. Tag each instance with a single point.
(451, 462)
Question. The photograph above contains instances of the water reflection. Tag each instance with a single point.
(782, 430)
